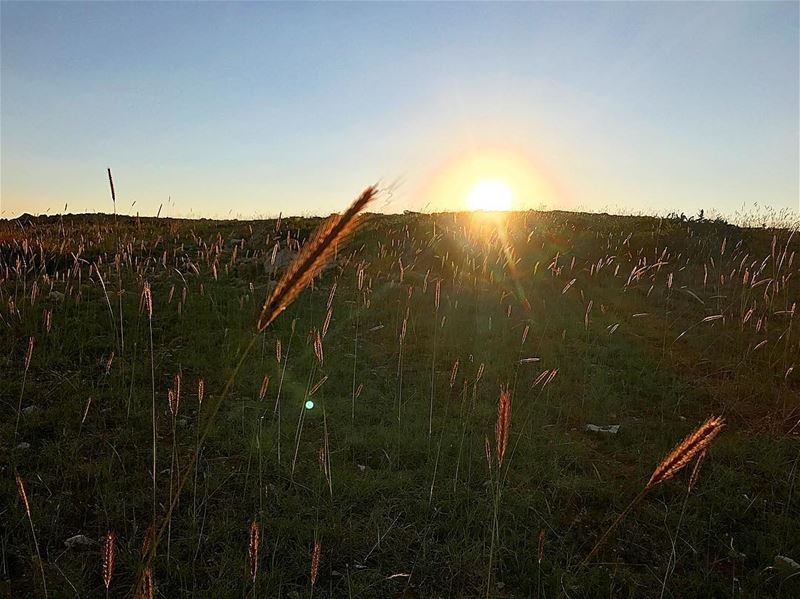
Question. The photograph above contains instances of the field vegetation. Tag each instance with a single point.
(411, 419)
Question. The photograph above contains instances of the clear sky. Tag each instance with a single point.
(242, 109)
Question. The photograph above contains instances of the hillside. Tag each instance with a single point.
(364, 419)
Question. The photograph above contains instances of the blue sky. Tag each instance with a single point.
(242, 109)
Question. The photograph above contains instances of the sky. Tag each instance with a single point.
(253, 109)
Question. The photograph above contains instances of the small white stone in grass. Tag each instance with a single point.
(611, 428)
(24, 446)
(786, 563)
(77, 541)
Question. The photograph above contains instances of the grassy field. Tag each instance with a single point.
(403, 344)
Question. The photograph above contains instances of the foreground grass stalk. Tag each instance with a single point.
(673, 558)
(360, 283)
(400, 367)
(306, 265)
(301, 418)
(201, 391)
(28, 356)
(26, 504)
(689, 448)
(148, 300)
(174, 403)
(433, 355)
(252, 551)
(120, 293)
(110, 309)
(453, 375)
(314, 565)
(501, 443)
(109, 556)
(277, 410)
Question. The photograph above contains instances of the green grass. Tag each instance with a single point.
(383, 532)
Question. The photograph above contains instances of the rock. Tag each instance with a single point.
(24, 446)
(78, 541)
(786, 564)
(28, 410)
(611, 428)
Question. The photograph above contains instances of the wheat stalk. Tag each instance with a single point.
(501, 442)
(693, 445)
(696, 470)
(23, 495)
(315, 563)
(436, 298)
(147, 299)
(113, 194)
(540, 548)
(690, 447)
(28, 356)
(29, 353)
(255, 541)
(262, 392)
(312, 257)
(671, 562)
(109, 555)
(501, 426)
(306, 265)
(453, 374)
(539, 556)
(147, 588)
(174, 399)
(201, 391)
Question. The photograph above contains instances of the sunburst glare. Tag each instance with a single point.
(490, 196)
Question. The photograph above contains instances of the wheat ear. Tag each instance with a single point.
(693, 445)
(305, 266)
(312, 257)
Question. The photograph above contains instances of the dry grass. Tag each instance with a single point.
(315, 563)
(629, 323)
(23, 495)
(693, 445)
(109, 555)
(312, 257)
(501, 426)
(314, 254)
(252, 550)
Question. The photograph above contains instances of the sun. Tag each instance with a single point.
(490, 195)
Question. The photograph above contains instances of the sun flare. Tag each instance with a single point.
(490, 196)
